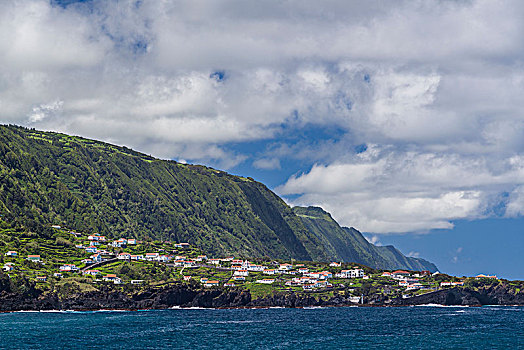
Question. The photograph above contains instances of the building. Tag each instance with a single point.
(257, 268)
(96, 258)
(41, 278)
(266, 281)
(209, 284)
(112, 278)
(400, 274)
(91, 272)
(241, 273)
(484, 276)
(182, 245)
(285, 267)
(34, 258)
(91, 249)
(335, 264)
(124, 256)
(152, 256)
(68, 268)
(11, 253)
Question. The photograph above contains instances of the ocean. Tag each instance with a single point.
(421, 327)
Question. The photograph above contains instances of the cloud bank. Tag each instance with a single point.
(430, 92)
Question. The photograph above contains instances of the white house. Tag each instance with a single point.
(241, 273)
(11, 253)
(182, 245)
(124, 256)
(152, 256)
(34, 258)
(335, 264)
(209, 284)
(266, 281)
(68, 268)
(112, 278)
(91, 272)
(96, 258)
(285, 267)
(269, 271)
(353, 273)
(256, 268)
(91, 249)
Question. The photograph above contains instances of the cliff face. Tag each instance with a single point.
(89, 186)
(492, 295)
(185, 296)
(348, 244)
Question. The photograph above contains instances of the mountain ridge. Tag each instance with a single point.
(52, 178)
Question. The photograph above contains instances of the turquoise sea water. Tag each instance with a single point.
(426, 327)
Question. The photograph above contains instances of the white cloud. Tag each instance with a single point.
(373, 239)
(434, 88)
(456, 255)
(390, 191)
(414, 254)
(267, 164)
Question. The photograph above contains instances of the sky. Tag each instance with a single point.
(404, 119)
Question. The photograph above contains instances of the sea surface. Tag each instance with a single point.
(421, 327)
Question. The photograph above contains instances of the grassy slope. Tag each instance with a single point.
(348, 244)
(50, 178)
(90, 186)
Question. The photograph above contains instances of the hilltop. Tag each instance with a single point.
(50, 178)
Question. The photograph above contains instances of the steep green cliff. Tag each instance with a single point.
(50, 178)
(349, 244)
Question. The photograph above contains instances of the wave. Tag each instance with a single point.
(440, 305)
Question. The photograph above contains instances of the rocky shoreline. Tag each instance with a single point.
(187, 297)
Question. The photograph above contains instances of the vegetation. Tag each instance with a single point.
(90, 186)
(23, 278)
(349, 245)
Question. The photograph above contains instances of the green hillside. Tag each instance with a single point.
(349, 245)
(90, 186)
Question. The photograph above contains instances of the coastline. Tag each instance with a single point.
(251, 308)
(184, 297)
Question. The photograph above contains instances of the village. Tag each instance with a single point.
(95, 259)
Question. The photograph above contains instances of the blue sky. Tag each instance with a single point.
(403, 119)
